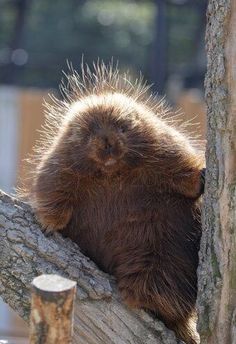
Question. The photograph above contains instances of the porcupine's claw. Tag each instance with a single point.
(48, 232)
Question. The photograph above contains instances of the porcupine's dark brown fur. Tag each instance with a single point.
(122, 181)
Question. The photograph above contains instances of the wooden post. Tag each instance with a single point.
(52, 310)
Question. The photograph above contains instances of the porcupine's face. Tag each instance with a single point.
(112, 140)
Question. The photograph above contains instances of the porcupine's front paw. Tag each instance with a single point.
(190, 184)
(199, 185)
(53, 220)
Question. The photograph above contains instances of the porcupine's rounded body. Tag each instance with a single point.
(124, 183)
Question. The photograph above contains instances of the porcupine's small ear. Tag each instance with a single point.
(203, 173)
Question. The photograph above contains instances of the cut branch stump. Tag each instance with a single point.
(51, 317)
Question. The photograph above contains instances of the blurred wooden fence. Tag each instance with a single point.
(193, 108)
(21, 116)
(31, 119)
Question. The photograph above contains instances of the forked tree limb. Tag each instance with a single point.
(100, 316)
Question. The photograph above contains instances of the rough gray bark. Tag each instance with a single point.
(100, 317)
(217, 271)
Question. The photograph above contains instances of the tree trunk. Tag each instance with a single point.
(217, 271)
(100, 316)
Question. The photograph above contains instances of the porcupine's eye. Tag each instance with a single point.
(122, 129)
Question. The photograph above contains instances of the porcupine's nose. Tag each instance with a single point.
(110, 149)
(108, 146)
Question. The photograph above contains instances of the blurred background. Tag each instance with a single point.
(164, 39)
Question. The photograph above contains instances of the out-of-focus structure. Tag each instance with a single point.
(21, 116)
(162, 38)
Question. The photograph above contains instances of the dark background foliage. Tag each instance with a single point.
(163, 39)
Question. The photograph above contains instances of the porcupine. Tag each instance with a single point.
(117, 175)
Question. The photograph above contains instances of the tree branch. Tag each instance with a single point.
(100, 316)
